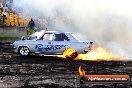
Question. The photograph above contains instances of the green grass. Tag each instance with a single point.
(11, 33)
(10, 36)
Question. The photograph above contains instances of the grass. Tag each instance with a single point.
(11, 34)
(8, 37)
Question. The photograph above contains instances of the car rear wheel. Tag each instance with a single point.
(72, 56)
(70, 53)
(24, 51)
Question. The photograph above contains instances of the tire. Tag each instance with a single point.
(24, 51)
(72, 56)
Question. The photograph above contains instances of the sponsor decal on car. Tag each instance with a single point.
(41, 47)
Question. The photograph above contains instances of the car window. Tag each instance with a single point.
(61, 37)
(48, 36)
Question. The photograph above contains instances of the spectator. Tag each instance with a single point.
(31, 26)
(4, 15)
(1, 5)
(5, 7)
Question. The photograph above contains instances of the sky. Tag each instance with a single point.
(105, 22)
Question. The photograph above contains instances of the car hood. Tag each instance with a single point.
(38, 35)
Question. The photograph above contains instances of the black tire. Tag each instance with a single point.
(72, 56)
(24, 51)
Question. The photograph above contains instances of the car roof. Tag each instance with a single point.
(56, 32)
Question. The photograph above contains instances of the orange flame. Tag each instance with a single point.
(99, 54)
(68, 52)
(81, 71)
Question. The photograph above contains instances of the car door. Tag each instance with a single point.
(45, 44)
(61, 42)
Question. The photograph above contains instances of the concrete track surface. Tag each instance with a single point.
(53, 72)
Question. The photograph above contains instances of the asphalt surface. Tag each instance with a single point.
(54, 72)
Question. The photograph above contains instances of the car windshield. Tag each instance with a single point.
(38, 35)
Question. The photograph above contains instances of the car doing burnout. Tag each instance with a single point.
(49, 42)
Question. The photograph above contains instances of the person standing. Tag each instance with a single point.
(31, 26)
(1, 5)
(4, 15)
(5, 8)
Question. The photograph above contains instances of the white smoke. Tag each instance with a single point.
(106, 22)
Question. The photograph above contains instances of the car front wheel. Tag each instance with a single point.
(24, 51)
